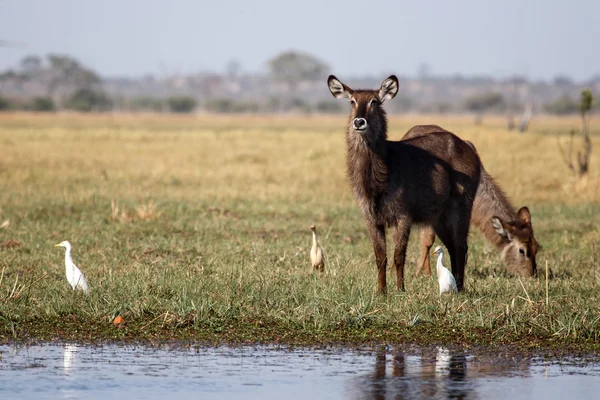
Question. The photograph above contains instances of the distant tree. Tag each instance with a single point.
(31, 64)
(300, 105)
(401, 104)
(65, 71)
(85, 100)
(424, 71)
(293, 67)
(220, 105)
(274, 104)
(247, 106)
(228, 105)
(43, 104)
(147, 103)
(13, 76)
(181, 104)
(563, 80)
(585, 106)
(562, 106)
(329, 107)
(526, 118)
(4, 104)
(485, 102)
(510, 122)
(583, 157)
(233, 68)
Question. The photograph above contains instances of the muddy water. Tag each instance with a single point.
(136, 372)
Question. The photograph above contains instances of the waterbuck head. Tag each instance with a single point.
(520, 246)
(367, 117)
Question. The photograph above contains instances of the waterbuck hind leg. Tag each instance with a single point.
(453, 230)
(401, 236)
(377, 234)
(427, 237)
(459, 261)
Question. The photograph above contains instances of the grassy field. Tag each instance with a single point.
(197, 227)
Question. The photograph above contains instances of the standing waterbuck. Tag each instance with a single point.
(510, 231)
(431, 179)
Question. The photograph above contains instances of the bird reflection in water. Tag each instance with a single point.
(69, 353)
(440, 374)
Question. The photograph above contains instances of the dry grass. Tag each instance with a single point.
(203, 222)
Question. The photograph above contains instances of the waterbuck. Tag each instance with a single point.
(510, 231)
(430, 179)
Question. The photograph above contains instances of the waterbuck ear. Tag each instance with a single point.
(524, 215)
(501, 228)
(389, 88)
(337, 88)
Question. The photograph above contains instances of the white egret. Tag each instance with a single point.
(74, 275)
(316, 253)
(445, 278)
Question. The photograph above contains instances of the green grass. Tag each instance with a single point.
(198, 229)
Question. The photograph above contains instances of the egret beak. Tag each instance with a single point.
(433, 253)
(57, 245)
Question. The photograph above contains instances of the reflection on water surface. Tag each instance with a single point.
(75, 371)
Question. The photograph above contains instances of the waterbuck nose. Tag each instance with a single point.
(360, 123)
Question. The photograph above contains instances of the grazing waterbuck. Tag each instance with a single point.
(510, 231)
(430, 179)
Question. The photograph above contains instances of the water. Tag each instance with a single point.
(137, 372)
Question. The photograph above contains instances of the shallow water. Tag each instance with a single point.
(128, 372)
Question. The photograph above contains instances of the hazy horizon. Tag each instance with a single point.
(536, 39)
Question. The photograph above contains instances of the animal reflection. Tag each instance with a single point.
(434, 373)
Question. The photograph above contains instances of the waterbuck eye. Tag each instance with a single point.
(374, 102)
(522, 252)
(352, 102)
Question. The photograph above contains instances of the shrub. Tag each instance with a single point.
(43, 104)
(4, 104)
(86, 100)
(329, 106)
(147, 103)
(484, 102)
(181, 104)
(562, 106)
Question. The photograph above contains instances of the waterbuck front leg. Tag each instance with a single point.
(377, 234)
(400, 243)
(427, 238)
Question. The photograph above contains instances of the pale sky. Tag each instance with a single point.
(539, 39)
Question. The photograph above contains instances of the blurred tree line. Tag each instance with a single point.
(295, 83)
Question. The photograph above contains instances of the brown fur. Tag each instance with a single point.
(429, 179)
(514, 237)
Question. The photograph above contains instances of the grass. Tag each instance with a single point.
(197, 228)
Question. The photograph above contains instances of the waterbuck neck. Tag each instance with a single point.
(367, 169)
(491, 201)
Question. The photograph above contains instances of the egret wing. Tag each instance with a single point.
(80, 280)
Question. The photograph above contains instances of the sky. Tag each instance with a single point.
(539, 39)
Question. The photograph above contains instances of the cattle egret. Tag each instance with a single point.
(445, 278)
(74, 275)
(316, 253)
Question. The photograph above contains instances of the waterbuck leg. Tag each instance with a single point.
(400, 243)
(458, 266)
(377, 234)
(427, 237)
(447, 237)
(459, 233)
